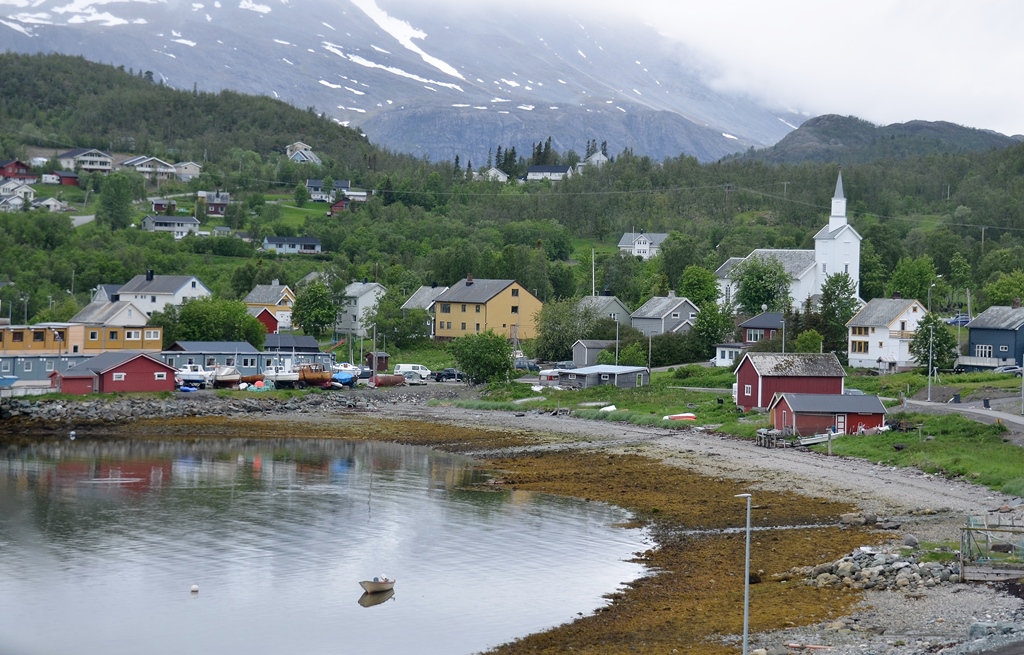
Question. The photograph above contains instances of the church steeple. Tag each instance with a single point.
(838, 217)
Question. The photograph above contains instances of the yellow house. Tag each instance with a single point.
(472, 306)
(277, 298)
(77, 338)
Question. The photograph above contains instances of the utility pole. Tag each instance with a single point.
(931, 340)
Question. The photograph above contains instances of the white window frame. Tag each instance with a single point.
(159, 375)
(49, 366)
(152, 334)
(132, 335)
(747, 390)
(94, 335)
(27, 367)
(118, 377)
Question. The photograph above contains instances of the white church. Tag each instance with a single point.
(836, 250)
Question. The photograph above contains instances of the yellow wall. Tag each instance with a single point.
(495, 315)
(42, 340)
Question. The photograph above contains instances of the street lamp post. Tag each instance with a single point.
(746, 579)
(931, 342)
(24, 299)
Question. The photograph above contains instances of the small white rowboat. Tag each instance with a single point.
(377, 585)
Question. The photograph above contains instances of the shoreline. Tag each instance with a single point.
(686, 571)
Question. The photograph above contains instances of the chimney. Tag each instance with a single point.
(149, 275)
(1016, 303)
(672, 294)
(896, 295)
(365, 280)
(276, 282)
(469, 280)
(433, 285)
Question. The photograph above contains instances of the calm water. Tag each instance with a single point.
(100, 544)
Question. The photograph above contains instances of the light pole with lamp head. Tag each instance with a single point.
(931, 343)
(746, 579)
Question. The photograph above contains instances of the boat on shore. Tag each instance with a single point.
(314, 374)
(377, 585)
(226, 377)
(282, 375)
(194, 375)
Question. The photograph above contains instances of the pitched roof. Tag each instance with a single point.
(999, 318)
(360, 289)
(78, 152)
(795, 262)
(188, 220)
(423, 297)
(266, 294)
(726, 268)
(882, 312)
(599, 302)
(661, 306)
(590, 344)
(213, 346)
(767, 320)
(610, 369)
(295, 240)
(824, 232)
(796, 364)
(106, 361)
(629, 238)
(285, 342)
(817, 403)
(166, 284)
(475, 291)
(101, 312)
(549, 169)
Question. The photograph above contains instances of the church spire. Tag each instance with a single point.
(838, 217)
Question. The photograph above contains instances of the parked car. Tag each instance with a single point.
(365, 372)
(959, 319)
(523, 364)
(449, 374)
(418, 369)
(412, 377)
(853, 392)
(1016, 370)
(565, 365)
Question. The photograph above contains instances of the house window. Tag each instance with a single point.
(152, 335)
(118, 377)
(572, 376)
(515, 309)
(132, 335)
(38, 336)
(6, 367)
(463, 308)
(859, 346)
(112, 336)
(746, 390)
(211, 362)
(160, 375)
(17, 337)
(903, 326)
(170, 361)
(675, 314)
(27, 367)
(248, 362)
(693, 315)
(880, 345)
(859, 331)
(983, 350)
(463, 326)
(846, 269)
(193, 284)
(477, 327)
(823, 267)
(604, 376)
(446, 308)
(1003, 349)
(478, 309)
(74, 348)
(515, 293)
(230, 361)
(914, 309)
(49, 366)
(152, 299)
(753, 336)
(449, 325)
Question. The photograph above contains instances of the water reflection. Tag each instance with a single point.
(111, 536)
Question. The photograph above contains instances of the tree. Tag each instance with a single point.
(934, 338)
(115, 208)
(483, 357)
(838, 305)
(959, 272)
(402, 328)
(761, 281)
(699, 285)
(209, 319)
(314, 311)
(301, 195)
(713, 325)
(1006, 288)
(912, 277)
(560, 323)
(808, 341)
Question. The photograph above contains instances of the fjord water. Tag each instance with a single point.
(101, 542)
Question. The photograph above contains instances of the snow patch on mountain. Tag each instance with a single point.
(252, 6)
(33, 19)
(329, 85)
(190, 44)
(362, 61)
(379, 49)
(281, 42)
(729, 136)
(404, 33)
(17, 28)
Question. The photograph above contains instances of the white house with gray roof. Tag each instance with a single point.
(122, 313)
(152, 293)
(880, 334)
(423, 298)
(359, 297)
(179, 226)
(642, 244)
(665, 314)
(836, 250)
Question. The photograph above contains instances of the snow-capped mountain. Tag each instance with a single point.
(434, 80)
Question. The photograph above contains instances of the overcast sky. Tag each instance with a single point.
(886, 61)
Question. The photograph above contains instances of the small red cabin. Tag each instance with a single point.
(760, 376)
(113, 371)
(805, 414)
(267, 318)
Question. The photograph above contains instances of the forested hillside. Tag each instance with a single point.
(955, 215)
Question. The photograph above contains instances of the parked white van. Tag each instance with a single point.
(423, 371)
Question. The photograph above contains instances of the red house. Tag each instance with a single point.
(267, 318)
(762, 327)
(113, 371)
(805, 414)
(14, 169)
(217, 202)
(67, 178)
(760, 376)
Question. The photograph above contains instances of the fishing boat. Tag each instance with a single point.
(314, 374)
(685, 416)
(282, 375)
(378, 584)
(194, 375)
(226, 376)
